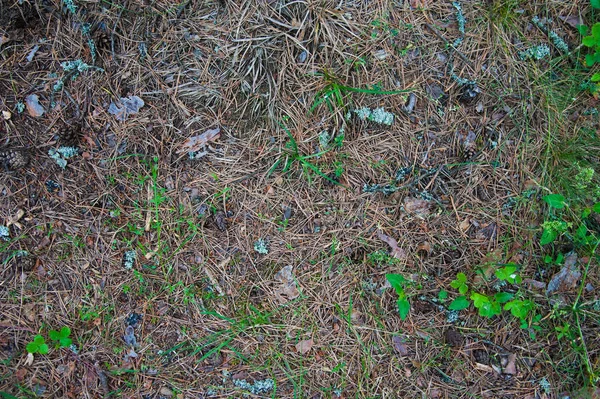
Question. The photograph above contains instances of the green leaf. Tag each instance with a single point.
(582, 231)
(502, 297)
(65, 342)
(461, 277)
(43, 349)
(589, 60)
(548, 235)
(595, 77)
(595, 3)
(54, 335)
(443, 294)
(596, 207)
(583, 30)
(32, 347)
(479, 300)
(38, 339)
(396, 281)
(459, 303)
(596, 30)
(555, 200)
(463, 289)
(403, 308)
(588, 41)
(6, 395)
(65, 332)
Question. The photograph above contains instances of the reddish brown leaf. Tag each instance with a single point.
(196, 143)
(395, 250)
(303, 347)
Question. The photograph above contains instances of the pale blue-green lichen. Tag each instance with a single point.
(377, 115)
(324, 139)
(20, 107)
(71, 6)
(386, 189)
(129, 259)
(261, 246)
(460, 19)
(558, 41)
(62, 154)
(4, 233)
(260, 387)
(535, 52)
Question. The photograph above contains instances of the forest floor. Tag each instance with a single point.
(298, 199)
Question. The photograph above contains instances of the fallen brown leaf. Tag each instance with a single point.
(510, 367)
(287, 290)
(399, 345)
(196, 143)
(303, 347)
(568, 277)
(572, 20)
(395, 250)
(416, 206)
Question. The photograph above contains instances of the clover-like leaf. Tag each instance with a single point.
(43, 349)
(459, 303)
(65, 332)
(54, 335)
(32, 347)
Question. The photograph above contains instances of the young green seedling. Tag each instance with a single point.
(38, 345)
(397, 281)
(61, 337)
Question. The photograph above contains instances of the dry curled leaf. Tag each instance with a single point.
(287, 289)
(416, 206)
(399, 345)
(508, 364)
(303, 347)
(34, 108)
(197, 143)
(395, 250)
(568, 277)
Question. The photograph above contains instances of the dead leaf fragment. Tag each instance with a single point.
(34, 108)
(416, 206)
(567, 278)
(510, 367)
(399, 345)
(303, 347)
(572, 20)
(395, 250)
(197, 143)
(287, 289)
(464, 225)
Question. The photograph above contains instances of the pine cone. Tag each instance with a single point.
(469, 151)
(102, 40)
(13, 159)
(69, 135)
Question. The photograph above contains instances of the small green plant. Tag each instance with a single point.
(293, 155)
(398, 283)
(61, 337)
(493, 305)
(593, 40)
(460, 283)
(38, 345)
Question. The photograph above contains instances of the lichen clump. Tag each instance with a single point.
(129, 259)
(535, 52)
(62, 154)
(260, 387)
(261, 246)
(377, 115)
